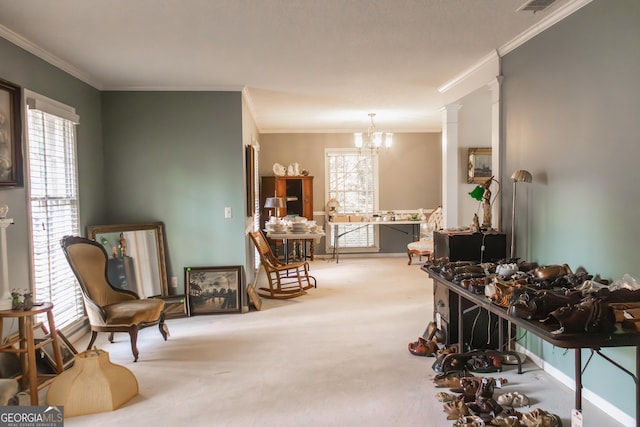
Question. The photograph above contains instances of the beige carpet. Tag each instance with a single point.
(334, 357)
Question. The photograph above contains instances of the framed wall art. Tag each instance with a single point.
(10, 135)
(479, 165)
(250, 178)
(214, 289)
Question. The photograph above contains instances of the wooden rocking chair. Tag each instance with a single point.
(285, 280)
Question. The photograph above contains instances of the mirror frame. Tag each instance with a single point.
(158, 227)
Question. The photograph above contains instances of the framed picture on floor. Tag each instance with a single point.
(214, 290)
(46, 354)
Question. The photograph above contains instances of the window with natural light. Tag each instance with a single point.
(53, 193)
(352, 179)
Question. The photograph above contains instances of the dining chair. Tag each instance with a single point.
(423, 247)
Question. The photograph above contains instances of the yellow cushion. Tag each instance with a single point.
(134, 312)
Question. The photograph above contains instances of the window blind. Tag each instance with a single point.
(352, 179)
(53, 193)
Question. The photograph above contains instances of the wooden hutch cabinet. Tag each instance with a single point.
(296, 190)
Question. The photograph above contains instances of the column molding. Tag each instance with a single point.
(494, 88)
(450, 183)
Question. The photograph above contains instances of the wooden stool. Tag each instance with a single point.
(27, 347)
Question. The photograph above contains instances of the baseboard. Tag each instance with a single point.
(363, 255)
(603, 404)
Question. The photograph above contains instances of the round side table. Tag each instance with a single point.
(27, 346)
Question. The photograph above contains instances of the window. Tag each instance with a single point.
(352, 179)
(53, 195)
(256, 200)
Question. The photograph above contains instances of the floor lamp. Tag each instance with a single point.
(518, 176)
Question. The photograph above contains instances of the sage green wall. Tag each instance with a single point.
(410, 172)
(177, 157)
(27, 71)
(571, 99)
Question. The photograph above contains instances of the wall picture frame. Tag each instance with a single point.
(11, 172)
(480, 168)
(250, 178)
(214, 290)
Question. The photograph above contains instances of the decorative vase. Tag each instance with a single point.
(28, 301)
(16, 303)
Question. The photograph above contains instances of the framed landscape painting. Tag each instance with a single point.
(480, 168)
(212, 290)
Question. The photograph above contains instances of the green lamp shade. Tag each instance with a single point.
(477, 193)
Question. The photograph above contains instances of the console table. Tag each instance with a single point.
(575, 341)
(359, 224)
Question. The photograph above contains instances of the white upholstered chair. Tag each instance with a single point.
(423, 247)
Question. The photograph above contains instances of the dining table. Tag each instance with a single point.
(289, 234)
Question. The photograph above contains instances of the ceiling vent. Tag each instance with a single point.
(535, 5)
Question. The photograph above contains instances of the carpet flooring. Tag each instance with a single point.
(336, 356)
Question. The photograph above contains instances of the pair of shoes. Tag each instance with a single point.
(423, 347)
(469, 421)
(513, 399)
(541, 418)
(444, 397)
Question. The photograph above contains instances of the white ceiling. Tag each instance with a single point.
(307, 65)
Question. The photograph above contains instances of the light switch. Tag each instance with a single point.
(227, 212)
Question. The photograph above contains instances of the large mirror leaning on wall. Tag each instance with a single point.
(136, 256)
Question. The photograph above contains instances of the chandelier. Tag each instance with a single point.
(373, 139)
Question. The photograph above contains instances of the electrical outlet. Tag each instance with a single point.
(227, 212)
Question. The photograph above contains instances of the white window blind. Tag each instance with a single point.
(352, 179)
(256, 200)
(53, 192)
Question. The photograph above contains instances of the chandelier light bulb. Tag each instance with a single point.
(374, 138)
(377, 139)
(388, 140)
(357, 137)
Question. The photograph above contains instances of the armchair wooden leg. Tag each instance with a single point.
(163, 328)
(94, 335)
(133, 333)
(111, 335)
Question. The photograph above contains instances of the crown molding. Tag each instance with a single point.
(541, 26)
(212, 88)
(469, 72)
(36, 50)
(555, 17)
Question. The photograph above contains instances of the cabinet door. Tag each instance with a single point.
(297, 191)
(307, 198)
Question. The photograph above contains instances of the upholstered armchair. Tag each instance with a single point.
(109, 309)
(423, 247)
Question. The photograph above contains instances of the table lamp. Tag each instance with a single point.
(275, 203)
(518, 176)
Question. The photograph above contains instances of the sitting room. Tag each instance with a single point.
(168, 139)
